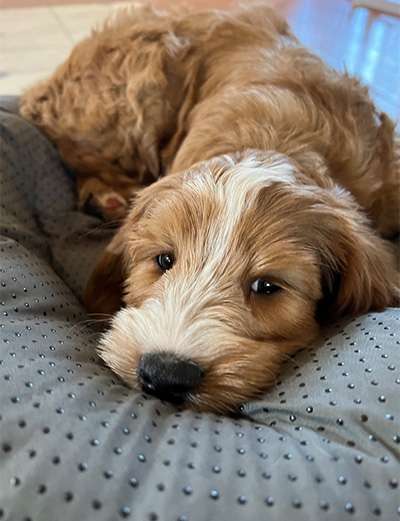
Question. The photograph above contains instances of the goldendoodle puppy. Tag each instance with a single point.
(278, 179)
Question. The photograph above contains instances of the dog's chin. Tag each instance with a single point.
(226, 400)
(219, 398)
(205, 402)
(231, 378)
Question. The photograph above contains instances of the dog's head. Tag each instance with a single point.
(225, 269)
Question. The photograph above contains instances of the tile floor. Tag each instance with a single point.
(33, 41)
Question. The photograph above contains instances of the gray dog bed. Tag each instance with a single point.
(76, 444)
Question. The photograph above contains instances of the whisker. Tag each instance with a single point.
(288, 358)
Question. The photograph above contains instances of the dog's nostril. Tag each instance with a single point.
(167, 376)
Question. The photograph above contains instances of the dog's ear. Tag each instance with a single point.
(103, 294)
(358, 268)
(105, 289)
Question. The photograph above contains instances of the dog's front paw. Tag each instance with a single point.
(109, 202)
(108, 206)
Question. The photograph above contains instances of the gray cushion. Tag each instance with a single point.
(76, 444)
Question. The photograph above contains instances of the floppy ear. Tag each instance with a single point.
(105, 289)
(103, 294)
(358, 267)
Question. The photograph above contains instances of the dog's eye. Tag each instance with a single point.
(263, 287)
(165, 261)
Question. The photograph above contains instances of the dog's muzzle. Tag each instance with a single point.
(169, 377)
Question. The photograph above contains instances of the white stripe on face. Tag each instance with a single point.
(234, 191)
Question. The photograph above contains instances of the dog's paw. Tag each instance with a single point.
(108, 206)
(104, 201)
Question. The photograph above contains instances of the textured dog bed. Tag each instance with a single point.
(76, 444)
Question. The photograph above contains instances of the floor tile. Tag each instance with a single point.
(34, 41)
(77, 21)
(30, 29)
(17, 83)
(33, 60)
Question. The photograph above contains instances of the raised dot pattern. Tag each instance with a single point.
(76, 444)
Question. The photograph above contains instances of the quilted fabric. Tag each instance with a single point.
(75, 443)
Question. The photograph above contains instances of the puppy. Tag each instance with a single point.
(278, 177)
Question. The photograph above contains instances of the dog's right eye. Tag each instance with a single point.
(165, 261)
(264, 287)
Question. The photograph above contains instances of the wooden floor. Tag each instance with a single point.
(363, 42)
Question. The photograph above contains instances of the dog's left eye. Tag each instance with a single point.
(165, 261)
(263, 287)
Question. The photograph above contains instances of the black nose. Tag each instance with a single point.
(168, 377)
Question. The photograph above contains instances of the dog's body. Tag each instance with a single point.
(262, 146)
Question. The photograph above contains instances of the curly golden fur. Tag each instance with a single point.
(274, 168)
